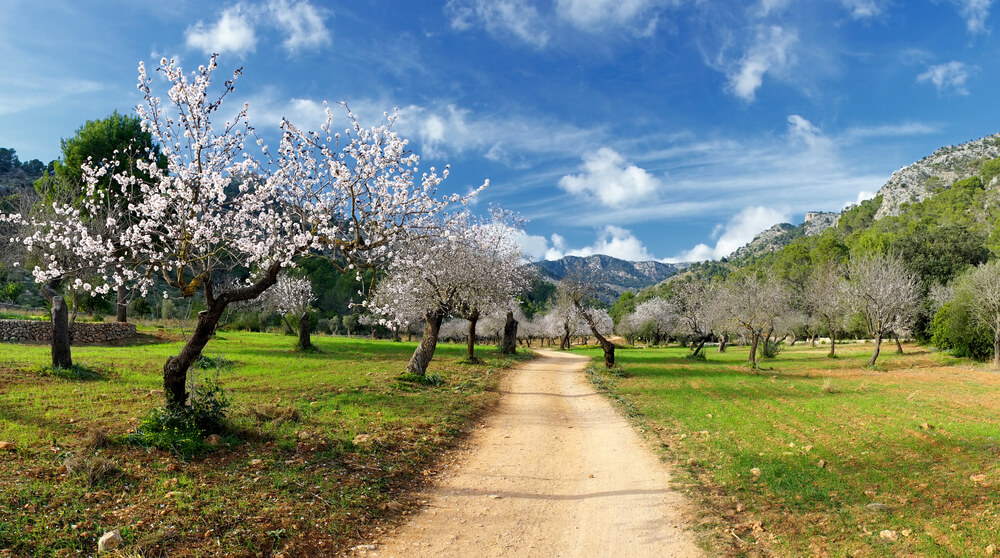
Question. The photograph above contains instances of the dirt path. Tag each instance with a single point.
(556, 471)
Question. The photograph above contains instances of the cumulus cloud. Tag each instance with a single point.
(514, 17)
(739, 230)
(975, 13)
(862, 196)
(612, 241)
(770, 52)
(608, 177)
(232, 33)
(301, 24)
(951, 76)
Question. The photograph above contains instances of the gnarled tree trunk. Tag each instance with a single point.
(508, 345)
(428, 343)
(564, 340)
(899, 346)
(122, 305)
(722, 343)
(305, 342)
(754, 342)
(61, 354)
(697, 350)
(176, 368)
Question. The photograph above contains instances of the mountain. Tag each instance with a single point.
(611, 276)
(910, 184)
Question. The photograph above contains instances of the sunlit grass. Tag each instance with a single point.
(359, 438)
(843, 453)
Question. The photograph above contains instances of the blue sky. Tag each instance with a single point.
(643, 129)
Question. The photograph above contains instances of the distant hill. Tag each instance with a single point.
(910, 184)
(611, 276)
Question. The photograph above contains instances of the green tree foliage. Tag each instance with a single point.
(938, 254)
(859, 217)
(116, 137)
(954, 330)
(623, 306)
(540, 295)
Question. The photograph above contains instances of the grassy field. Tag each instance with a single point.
(813, 456)
(322, 447)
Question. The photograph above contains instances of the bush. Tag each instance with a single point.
(182, 429)
(955, 331)
(771, 348)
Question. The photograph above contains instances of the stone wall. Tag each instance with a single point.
(80, 332)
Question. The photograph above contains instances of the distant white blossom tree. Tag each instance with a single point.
(885, 293)
(291, 296)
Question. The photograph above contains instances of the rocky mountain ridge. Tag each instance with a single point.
(611, 276)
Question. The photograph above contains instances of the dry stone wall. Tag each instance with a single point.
(34, 330)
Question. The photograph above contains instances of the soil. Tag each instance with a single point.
(555, 471)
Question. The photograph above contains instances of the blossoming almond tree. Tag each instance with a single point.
(476, 268)
(217, 210)
(290, 295)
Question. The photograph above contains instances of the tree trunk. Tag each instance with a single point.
(428, 343)
(564, 340)
(304, 341)
(470, 350)
(289, 330)
(899, 346)
(722, 343)
(61, 354)
(122, 306)
(878, 346)
(754, 341)
(509, 344)
(176, 367)
(175, 370)
(697, 350)
(996, 348)
(833, 344)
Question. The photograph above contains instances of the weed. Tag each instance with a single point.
(94, 470)
(696, 356)
(181, 429)
(74, 372)
(828, 386)
(423, 379)
(96, 437)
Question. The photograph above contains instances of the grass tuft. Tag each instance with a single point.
(93, 470)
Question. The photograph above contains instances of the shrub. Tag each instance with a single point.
(182, 429)
(954, 330)
(771, 348)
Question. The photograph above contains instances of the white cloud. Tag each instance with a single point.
(950, 76)
(232, 33)
(863, 9)
(612, 241)
(601, 15)
(890, 130)
(740, 229)
(768, 7)
(862, 196)
(515, 17)
(612, 180)
(801, 130)
(975, 13)
(302, 24)
(770, 52)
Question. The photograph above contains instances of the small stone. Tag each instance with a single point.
(692, 462)
(927, 426)
(878, 507)
(821, 464)
(906, 532)
(889, 535)
(8, 446)
(304, 435)
(256, 462)
(755, 472)
(991, 550)
(109, 541)
(980, 478)
(155, 392)
(362, 439)
(495, 496)
(213, 440)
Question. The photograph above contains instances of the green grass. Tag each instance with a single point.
(348, 441)
(829, 439)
